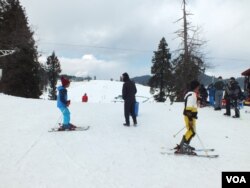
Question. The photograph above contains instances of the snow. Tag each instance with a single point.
(102, 91)
(110, 155)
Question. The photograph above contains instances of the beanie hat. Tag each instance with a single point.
(125, 76)
(194, 84)
(64, 81)
(232, 79)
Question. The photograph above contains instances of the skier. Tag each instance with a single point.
(85, 98)
(233, 93)
(128, 95)
(219, 86)
(190, 116)
(63, 103)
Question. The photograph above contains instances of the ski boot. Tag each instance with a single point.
(178, 147)
(184, 148)
(66, 127)
(72, 127)
(61, 128)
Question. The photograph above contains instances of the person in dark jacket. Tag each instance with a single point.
(203, 95)
(233, 93)
(219, 87)
(128, 95)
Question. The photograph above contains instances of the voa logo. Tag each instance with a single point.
(236, 179)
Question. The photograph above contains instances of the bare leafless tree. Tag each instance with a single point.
(189, 63)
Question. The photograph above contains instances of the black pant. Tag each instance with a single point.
(234, 103)
(129, 109)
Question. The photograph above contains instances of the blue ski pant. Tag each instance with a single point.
(211, 100)
(66, 116)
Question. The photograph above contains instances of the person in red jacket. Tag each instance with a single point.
(85, 98)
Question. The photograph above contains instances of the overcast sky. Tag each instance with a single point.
(105, 38)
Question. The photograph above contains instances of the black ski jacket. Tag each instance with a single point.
(129, 90)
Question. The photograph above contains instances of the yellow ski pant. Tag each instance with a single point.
(191, 128)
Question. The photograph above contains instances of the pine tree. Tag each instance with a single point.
(161, 81)
(53, 69)
(44, 78)
(21, 69)
(185, 72)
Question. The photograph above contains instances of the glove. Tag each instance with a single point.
(188, 114)
(68, 103)
(194, 115)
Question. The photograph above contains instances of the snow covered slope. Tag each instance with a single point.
(105, 91)
(110, 155)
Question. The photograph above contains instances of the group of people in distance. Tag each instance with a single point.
(232, 92)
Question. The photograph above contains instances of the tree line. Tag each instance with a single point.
(22, 73)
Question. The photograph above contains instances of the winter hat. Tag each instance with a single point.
(64, 81)
(232, 79)
(125, 76)
(194, 84)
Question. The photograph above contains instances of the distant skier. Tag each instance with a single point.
(219, 87)
(232, 95)
(63, 103)
(85, 97)
(128, 94)
(190, 115)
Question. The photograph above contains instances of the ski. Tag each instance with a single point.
(209, 149)
(199, 149)
(66, 130)
(205, 150)
(198, 155)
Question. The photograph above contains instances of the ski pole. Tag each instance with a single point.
(202, 145)
(59, 120)
(178, 132)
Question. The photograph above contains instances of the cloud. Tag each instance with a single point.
(88, 65)
(226, 27)
(123, 34)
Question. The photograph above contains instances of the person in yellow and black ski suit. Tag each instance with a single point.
(190, 115)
